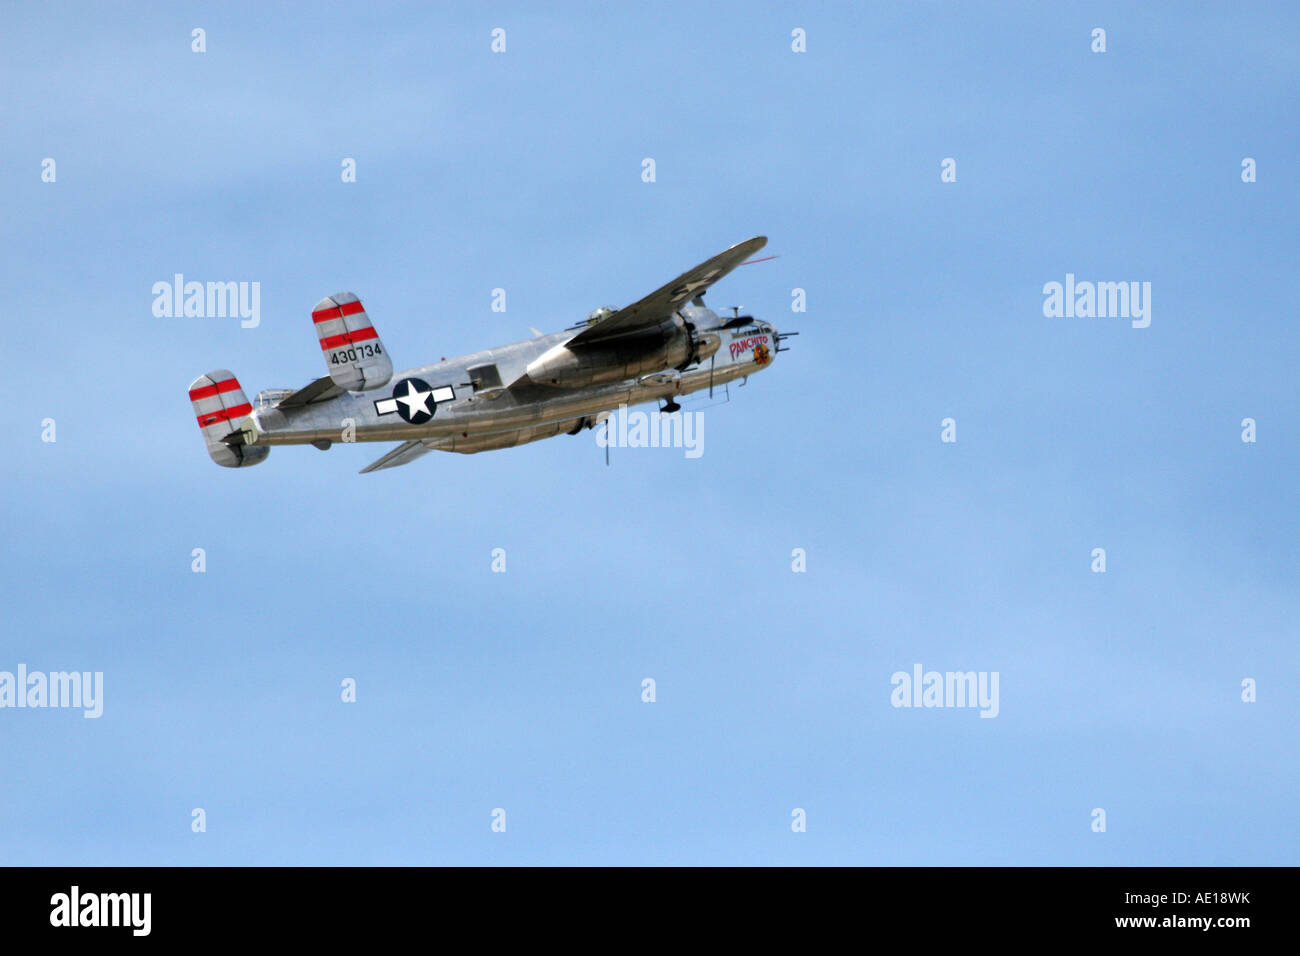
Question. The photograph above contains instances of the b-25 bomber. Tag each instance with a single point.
(664, 346)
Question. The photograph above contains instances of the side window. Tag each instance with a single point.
(484, 376)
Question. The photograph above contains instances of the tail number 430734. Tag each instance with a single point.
(354, 352)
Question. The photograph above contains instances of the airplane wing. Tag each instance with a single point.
(510, 437)
(406, 452)
(320, 390)
(660, 304)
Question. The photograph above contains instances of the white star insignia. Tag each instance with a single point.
(416, 401)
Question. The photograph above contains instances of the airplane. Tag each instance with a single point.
(664, 346)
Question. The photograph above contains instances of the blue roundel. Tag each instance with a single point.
(414, 400)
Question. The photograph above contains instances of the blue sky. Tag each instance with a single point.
(522, 170)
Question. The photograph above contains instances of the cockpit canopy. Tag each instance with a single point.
(604, 312)
(270, 397)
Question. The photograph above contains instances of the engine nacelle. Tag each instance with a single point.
(611, 360)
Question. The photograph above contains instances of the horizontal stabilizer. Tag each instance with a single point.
(321, 390)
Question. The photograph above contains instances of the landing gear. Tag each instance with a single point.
(671, 407)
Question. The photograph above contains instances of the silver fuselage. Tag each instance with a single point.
(531, 392)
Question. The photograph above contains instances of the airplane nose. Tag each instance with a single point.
(765, 350)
